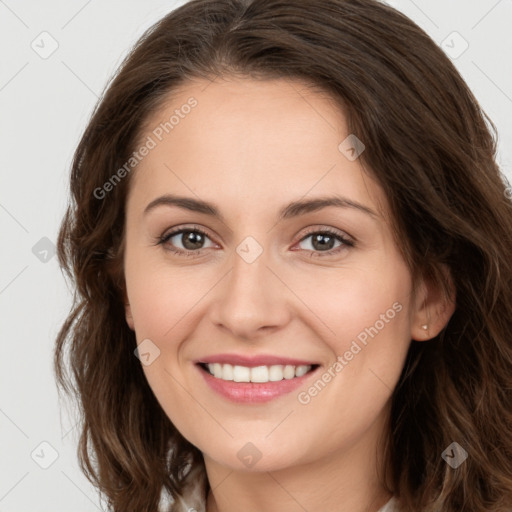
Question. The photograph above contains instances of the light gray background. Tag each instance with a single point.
(45, 104)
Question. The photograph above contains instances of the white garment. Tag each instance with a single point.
(193, 500)
(390, 506)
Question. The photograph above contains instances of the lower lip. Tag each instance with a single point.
(253, 392)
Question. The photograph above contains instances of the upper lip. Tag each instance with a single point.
(251, 361)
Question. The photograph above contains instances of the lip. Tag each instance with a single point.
(252, 361)
(253, 392)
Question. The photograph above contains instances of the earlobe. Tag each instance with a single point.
(128, 311)
(129, 316)
(433, 309)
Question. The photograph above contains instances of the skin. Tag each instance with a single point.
(251, 147)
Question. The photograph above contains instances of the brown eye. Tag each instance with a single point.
(183, 240)
(192, 240)
(325, 242)
(322, 242)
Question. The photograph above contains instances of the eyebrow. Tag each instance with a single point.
(293, 209)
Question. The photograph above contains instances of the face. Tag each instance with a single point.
(243, 266)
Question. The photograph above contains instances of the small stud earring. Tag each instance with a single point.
(424, 327)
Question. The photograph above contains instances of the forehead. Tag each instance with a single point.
(244, 139)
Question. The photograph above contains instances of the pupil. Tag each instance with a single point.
(192, 240)
(323, 242)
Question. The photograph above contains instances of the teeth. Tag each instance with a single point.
(217, 370)
(241, 374)
(227, 372)
(257, 373)
(289, 371)
(275, 373)
(300, 371)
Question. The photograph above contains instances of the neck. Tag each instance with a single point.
(345, 481)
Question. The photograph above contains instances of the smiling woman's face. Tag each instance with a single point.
(320, 287)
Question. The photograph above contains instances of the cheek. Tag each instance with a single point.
(162, 300)
(359, 302)
(368, 314)
(161, 294)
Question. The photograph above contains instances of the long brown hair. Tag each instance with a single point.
(431, 148)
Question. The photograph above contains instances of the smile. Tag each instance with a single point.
(260, 374)
(255, 384)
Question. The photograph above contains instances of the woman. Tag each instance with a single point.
(291, 247)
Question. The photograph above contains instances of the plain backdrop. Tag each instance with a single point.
(56, 59)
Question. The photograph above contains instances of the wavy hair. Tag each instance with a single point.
(433, 151)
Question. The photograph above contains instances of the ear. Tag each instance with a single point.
(432, 309)
(128, 312)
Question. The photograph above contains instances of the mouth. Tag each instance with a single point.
(255, 384)
(257, 374)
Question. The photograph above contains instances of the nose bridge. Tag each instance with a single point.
(251, 297)
(249, 275)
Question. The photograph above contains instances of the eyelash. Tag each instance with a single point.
(346, 242)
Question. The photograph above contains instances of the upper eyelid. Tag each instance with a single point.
(331, 230)
(180, 229)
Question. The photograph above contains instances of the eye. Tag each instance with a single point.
(192, 241)
(325, 241)
(186, 241)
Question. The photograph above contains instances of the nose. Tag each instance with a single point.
(251, 301)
